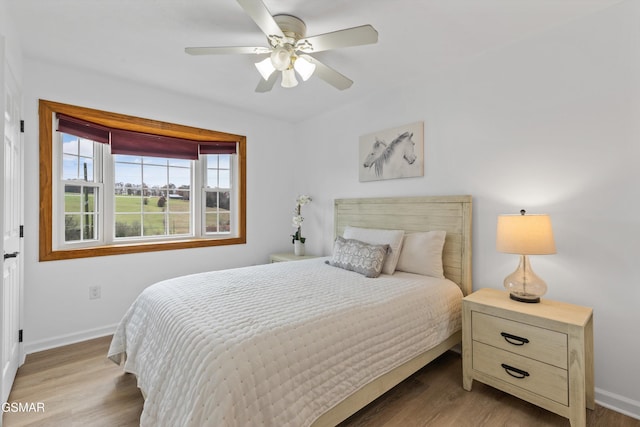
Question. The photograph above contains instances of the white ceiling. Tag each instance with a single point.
(144, 40)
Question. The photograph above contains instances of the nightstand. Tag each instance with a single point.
(288, 256)
(542, 353)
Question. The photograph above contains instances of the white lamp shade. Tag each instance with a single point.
(281, 58)
(265, 68)
(289, 78)
(525, 235)
(304, 68)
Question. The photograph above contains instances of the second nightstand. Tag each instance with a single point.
(288, 256)
(542, 353)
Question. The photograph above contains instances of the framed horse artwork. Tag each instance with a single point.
(392, 153)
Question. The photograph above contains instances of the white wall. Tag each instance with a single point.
(57, 305)
(550, 124)
(12, 53)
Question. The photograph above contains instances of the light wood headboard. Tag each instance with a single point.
(412, 214)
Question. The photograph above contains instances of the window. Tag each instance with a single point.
(113, 184)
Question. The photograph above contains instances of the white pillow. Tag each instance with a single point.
(422, 253)
(373, 236)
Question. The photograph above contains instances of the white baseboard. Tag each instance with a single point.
(59, 341)
(618, 403)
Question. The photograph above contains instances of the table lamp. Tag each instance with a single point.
(525, 235)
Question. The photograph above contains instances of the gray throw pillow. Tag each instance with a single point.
(357, 256)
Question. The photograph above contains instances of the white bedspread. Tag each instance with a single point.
(277, 344)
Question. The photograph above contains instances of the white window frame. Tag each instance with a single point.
(104, 180)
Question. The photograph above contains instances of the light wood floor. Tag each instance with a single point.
(79, 386)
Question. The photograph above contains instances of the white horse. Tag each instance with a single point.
(381, 153)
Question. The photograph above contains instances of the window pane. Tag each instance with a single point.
(224, 200)
(155, 175)
(70, 167)
(212, 178)
(72, 199)
(180, 177)
(211, 222)
(90, 227)
(81, 213)
(179, 223)
(153, 224)
(218, 171)
(90, 208)
(128, 204)
(178, 203)
(212, 201)
(217, 215)
(69, 144)
(161, 191)
(128, 225)
(72, 226)
(225, 222)
(88, 199)
(225, 161)
(130, 175)
(86, 169)
(224, 179)
(78, 158)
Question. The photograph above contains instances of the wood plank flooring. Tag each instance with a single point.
(79, 386)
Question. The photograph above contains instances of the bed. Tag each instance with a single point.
(297, 343)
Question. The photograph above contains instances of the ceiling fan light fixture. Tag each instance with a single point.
(265, 68)
(304, 67)
(281, 57)
(289, 78)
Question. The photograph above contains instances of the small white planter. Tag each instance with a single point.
(298, 248)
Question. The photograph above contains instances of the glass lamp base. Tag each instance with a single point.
(523, 284)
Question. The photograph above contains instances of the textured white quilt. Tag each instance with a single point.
(276, 344)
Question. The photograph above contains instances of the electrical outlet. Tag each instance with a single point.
(94, 292)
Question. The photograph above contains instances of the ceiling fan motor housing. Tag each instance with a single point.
(293, 28)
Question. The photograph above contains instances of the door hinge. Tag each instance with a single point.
(20, 335)
(21, 126)
(22, 231)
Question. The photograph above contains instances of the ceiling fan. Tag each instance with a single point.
(289, 48)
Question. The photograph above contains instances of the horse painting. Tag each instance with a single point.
(397, 154)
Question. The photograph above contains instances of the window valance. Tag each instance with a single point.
(142, 144)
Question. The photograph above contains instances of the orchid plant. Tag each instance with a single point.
(298, 218)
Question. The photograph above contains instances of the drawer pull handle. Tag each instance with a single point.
(510, 369)
(514, 339)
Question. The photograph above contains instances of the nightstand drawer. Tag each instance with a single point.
(526, 340)
(539, 378)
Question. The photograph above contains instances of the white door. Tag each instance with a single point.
(11, 196)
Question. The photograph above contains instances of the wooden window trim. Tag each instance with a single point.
(48, 108)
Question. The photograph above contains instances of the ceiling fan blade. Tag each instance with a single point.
(226, 50)
(267, 85)
(355, 36)
(329, 75)
(262, 17)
